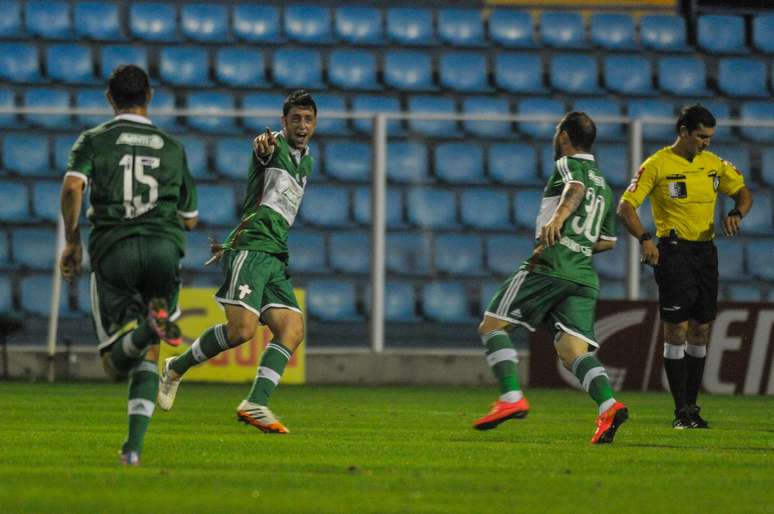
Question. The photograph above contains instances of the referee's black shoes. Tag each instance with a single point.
(688, 417)
(693, 415)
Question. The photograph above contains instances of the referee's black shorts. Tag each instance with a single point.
(687, 278)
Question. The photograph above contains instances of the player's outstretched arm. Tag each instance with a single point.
(71, 199)
(732, 222)
(264, 144)
(572, 195)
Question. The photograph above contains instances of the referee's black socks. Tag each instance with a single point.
(676, 372)
(695, 356)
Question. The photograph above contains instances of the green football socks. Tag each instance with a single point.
(143, 388)
(210, 343)
(127, 351)
(270, 370)
(593, 378)
(501, 357)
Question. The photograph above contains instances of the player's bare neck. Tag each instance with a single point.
(139, 111)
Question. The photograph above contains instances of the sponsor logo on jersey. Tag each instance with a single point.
(575, 246)
(150, 140)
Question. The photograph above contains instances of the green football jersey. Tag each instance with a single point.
(139, 182)
(594, 219)
(275, 189)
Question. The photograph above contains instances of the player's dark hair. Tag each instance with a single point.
(693, 116)
(129, 86)
(580, 129)
(299, 98)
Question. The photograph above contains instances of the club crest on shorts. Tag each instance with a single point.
(244, 290)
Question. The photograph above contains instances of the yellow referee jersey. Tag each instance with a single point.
(683, 193)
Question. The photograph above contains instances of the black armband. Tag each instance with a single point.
(735, 212)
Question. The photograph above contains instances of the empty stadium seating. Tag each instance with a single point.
(204, 23)
(408, 253)
(513, 163)
(308, 24)
(240, 67)
(613, 31)
(308, 252)
(407, 162)
(256, 23)
(394, 208)
(352, 70)
(326, 206)
(485, 209)
(409, 26)
(350, 252)
(113, 55)
(408, 70)
(376, 103)
(461, 27)
(7, 102)
(562, 30)
(97, 20)
(14, 203)
(664, 32)
(45, 18)
(517, 72)
(682, 76)
(446, 301)
(331, 126)
(459, 255)
(26, 154)
(721, 34)
(629, 74)
(331, 300)
(742, 77)
(511, 28)
(19, 62)
(359, 25)
(348, 161)
(456, 163)
(466, 72)
(574, 73)
(431, 208)
(153, 21)
(543, 107)
(763, 32)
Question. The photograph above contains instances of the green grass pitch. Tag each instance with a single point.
(387, 449)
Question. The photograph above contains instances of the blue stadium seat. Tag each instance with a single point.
(10, 22)
(763, 32)
(36, 295)
(613, 31)
(461, 27)
(629, 74)
(45, 200)
(217, 206)
(153, 21)
(574, 73)
(612, 263)
(433, 105)
(720, 109)
(487, 105)
(408, 70)
(91, 99)
(640, 108)
(394, 207)
(597, 108)
(613, 162)
(464, 71)
(757, 110)
(445, 302)
(287, 72)
(664, 32)
(683, 76)
(204, 22)
(263, 102)
(742, 77)
(400, 302)
(232, 157)
(487, 292)
(562, 30)
(6, 293)
(112, 56)
(62, 147)
(352, 70)
(744, 293)
(547, 161)
(376, 103)
(511, 28)
(330, 103)
(759, 258)
(307, 252)
(407, 162)
(48, 19)
(408, 253)
(184, 66)
(458, 254)
(410, 26)
(730, 261)
(721, 34)
(459, 163)
(553, 109)
(196, 156)
(738, 155)
(487, 209)
(505, 253)
(163, 100)
(7, 101)
(257, 23)
(331, 300)
(767, 173)
(97, 20)
(348, 161)
(48, 98)
(760, 219)
(526, 204)
(519, 72)
(240, 67)
(358, 25)
(14, 203)
(501, 159)
(431, 208)
(34, 247)
(19, 62)
(211, 102)
(308, 24)
(350, 252)
(26, 153)
(612, 290)
(326, 206)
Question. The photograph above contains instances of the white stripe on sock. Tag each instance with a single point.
(494, 333)
(147, 366)
(280, 349)
(128, 346)
(591, 375)
(141, 407)
(506, 354)
(220, 336)
(512, 396)
(269, 374)
(674, 351)
(578, 360)
(606, 405)
(697, 351)
(196, 351)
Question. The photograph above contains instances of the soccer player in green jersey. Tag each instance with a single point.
(256, 287)
(557, 286)
(141, 199)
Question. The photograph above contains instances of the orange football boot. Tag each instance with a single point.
(608, 422)
(502, 411)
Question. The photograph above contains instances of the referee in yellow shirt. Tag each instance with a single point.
(683, 181)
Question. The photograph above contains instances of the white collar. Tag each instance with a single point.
(134, 117)
(585, 156)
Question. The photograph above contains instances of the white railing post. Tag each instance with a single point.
(378, 232)
(635, 159)
(56, 283)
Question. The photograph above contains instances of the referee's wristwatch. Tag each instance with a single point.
(735, 212)
(645, 236)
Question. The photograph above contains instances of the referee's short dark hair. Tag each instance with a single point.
(693, 116)
(580, 129)
(129, 86)
(299, 98)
